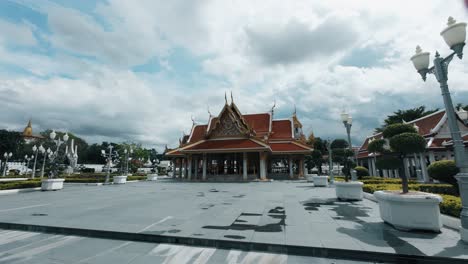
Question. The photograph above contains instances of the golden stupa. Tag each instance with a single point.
(27, 132)
(28, 135)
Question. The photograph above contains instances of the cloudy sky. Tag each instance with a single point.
(138, 70)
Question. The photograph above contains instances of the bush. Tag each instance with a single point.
(451, 205)
(361, 171)
(444, 171)
(396, 129)
(20, 184)
(430, 188)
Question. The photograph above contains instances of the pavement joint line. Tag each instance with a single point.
(310, 251)
(158, 222)
(24, 207)
(105, 252)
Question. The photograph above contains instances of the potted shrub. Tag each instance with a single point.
(404, 209)
(320, 181)
(152, 177)
(121, 179)
(347, 190)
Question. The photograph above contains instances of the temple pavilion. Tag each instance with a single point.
(239, 147)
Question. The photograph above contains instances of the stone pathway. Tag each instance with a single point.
(288, 213)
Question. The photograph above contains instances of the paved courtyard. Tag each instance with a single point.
(289, 213)
(37, 248)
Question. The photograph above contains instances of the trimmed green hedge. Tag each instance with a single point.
(451, 205)
(20, 184)
(431, 188)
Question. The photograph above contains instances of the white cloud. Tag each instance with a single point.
(19, 34)
(262, 50)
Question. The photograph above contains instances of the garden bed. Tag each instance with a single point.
(32, 183)
(451, 204)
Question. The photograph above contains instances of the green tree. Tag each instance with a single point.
(341, 154)
(317, 160)
(405, 115)
(11, 141)
(403, 140)
(320, 145)
(339, 144)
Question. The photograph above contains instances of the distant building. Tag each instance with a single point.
(439, 146)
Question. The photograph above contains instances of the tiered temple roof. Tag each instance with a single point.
(232, 131)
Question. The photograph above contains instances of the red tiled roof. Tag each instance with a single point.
(281, 129)
(288, 147)
(363, 154)
(198, 133)
(173, 153)
(259, 122)
(366, 142)
(228, 144)
(427, 123)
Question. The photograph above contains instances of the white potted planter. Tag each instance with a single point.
(310, 177)
(320, 181)
(120, 179)
(152, 177)
(52, 184)
(414, 210)
(351, 190)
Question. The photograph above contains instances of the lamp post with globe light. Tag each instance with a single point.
(348, 122)
(45, 153)
(54, 155)
(36, 150)
(127, 153)
(454, 35)
(110, 156)
(28, 158)
(6, 155)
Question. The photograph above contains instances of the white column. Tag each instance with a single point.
(189, 168)
(204, 167)
(431, 157)
(244, 166)
(422, 161)
(372, 166)
(449, 155)
(385, 173)
(195, 167)
(290, 167)
(180, 167)
(397, 174)
(262, 166)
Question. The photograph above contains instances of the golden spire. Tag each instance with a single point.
(27, 132)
